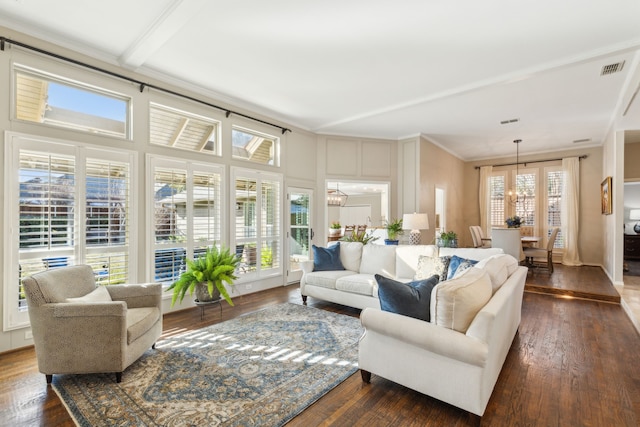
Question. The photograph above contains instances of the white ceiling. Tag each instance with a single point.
(375, 68)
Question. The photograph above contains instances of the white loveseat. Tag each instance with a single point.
(457, 356)
(356, 285)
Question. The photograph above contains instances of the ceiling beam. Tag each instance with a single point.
(172, 20)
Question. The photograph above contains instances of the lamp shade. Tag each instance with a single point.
(634, 214)
(415, 221)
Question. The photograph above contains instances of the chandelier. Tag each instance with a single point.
(514, 197)
(336, 197)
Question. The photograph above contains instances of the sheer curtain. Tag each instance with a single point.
(483, 198)
(569, 210)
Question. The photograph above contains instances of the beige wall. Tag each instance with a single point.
(441, 169)
(632, 162)
(590, 236)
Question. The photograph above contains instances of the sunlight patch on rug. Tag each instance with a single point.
(262, 368)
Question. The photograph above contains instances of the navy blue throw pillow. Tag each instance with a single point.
(411, 299)
(326, 259)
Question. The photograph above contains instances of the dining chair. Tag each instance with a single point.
(479, 241)
(509, 240)
(531, 253)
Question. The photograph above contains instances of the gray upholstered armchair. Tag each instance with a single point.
(81, 328)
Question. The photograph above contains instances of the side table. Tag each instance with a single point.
(203, 304)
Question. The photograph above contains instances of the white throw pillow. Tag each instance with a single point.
(99, 294)
(455, 302)
(407, 257)
(351, 255)
(379, 259)
(499, 268)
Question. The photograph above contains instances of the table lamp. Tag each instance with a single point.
(416, 222)
(634, 215)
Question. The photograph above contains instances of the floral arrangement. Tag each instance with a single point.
(514, 221)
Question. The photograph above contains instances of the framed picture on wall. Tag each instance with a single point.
(605, 196)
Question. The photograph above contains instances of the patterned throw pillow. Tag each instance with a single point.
(458, 265)
(430, 265)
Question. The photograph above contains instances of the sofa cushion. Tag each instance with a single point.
(499, 268)
(325, 259)
(99, 294)
(351, 255)
(458, 265)
(379, 259)
(455, 302)
(407, 258)
(430, 265)
(139, 321)
(363, 284)
(411, 299)
(326, 279)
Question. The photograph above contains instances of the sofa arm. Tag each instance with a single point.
(94, 309)
(307, 266)
(137, 295)
(425, 335)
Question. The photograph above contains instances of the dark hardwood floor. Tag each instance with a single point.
(573, 363)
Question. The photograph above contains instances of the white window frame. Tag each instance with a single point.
(85, 85)
(545, 208)
(505, 202)
(247, 130)
(13, 318)
(259, 177)
(190, 167)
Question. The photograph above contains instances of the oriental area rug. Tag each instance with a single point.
(261, 368)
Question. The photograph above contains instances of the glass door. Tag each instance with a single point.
(300, 232)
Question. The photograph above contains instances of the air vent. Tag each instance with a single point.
(578, 141)
(506, 122)
(612, 68)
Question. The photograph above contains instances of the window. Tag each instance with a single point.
(526, 189)
(187, 214)
(177, 129)
(42, 98)
(257, 226)
(69, 205)
(554, 185)
(254, 146)
(497, 214)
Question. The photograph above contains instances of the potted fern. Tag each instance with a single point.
(207, 275)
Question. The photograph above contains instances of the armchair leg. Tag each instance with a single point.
(153, 346)
(118, 377)
(304, 299)
(49, 378)
(366, 376)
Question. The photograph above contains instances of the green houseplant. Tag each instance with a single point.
(394, 229)
(448, 239)
(335, 228)
(361, 237)
(207, 275)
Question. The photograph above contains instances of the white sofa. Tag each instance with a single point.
(356, 285)
(457, 356)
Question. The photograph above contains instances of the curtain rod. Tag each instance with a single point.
(584, 156)
(228, 112)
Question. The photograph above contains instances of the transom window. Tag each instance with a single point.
(178, 129)
(255, 147)
(43, 98)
